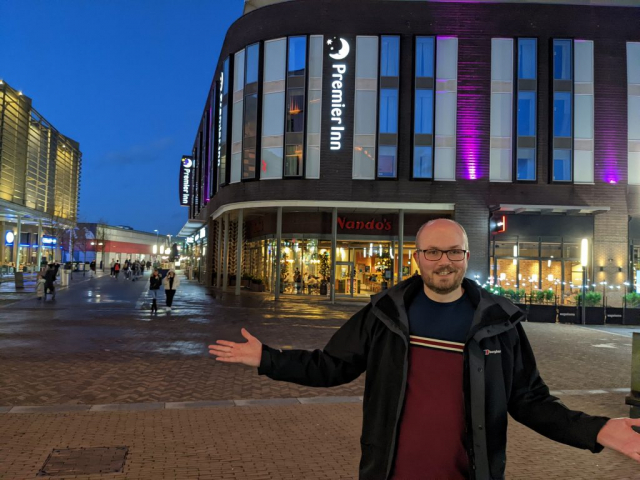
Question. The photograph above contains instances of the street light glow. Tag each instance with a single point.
(584, 251)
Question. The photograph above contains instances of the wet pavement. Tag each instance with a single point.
(126, 377)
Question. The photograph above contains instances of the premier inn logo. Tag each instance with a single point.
(338, 50)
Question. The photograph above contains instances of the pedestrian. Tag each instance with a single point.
(116, 269)
(297, 280)
(142, 268)
(92, 269)
(113, 271)
(445, 362)
(155, 282)
(40, 283)
(171, 283)
(49, 279)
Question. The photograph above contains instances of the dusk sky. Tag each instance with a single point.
(128, 80)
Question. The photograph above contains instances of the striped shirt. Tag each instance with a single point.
(431, 435)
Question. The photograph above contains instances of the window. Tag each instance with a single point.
(273, 108)
(314, 107)
(295, 107)
(562, 129)
(250, 125)
(388, 110)
(526, 118)
(424, 101)
(222, 126)
(633, 111)
(388, 116)
(366, 108)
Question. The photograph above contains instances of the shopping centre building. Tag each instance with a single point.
(332, 130)
(39, 184)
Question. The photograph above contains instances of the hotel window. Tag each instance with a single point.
(223, 126)
(562, 130)
(273, 98)
(583, 123)
(424, 108)
(250, 123)
(501, 123)
(444, 165)
(366, 108)
(388, 119)
(295, 107)
(213, 135)
(633, 111)
(314, 107)
(526, 118)
(236, 116)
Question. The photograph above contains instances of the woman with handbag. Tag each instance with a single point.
(170, 283)
(155, 282)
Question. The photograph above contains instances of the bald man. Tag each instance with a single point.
(446, 361)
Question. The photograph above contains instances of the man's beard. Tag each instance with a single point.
(436, 284)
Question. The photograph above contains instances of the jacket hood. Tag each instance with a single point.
(493, 308)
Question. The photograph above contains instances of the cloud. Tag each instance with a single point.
(138, 154)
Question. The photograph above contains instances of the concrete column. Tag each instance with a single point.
(278, 281)
(400, 252)
(2, 234)
(16, 244)
(219, 249)
(40, 244)
(225, 254)
(239, 252)
(209, 254)
(334, 247)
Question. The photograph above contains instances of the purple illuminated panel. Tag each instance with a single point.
(474, 87)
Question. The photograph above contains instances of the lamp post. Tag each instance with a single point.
(624, 304)
(584, 255)
(157, 234)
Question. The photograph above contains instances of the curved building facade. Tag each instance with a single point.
(334, 129)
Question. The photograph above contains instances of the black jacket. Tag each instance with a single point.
(155, 282)
(376, 340)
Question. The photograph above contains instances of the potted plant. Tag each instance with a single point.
(246, 280)
(325, 269)
(632, 310)
(256, 285)
(540, 309)
(594, 308)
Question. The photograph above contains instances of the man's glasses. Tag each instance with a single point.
(433, 254)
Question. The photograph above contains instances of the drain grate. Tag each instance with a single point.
(84, 461)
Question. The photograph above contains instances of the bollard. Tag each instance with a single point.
(633, 400)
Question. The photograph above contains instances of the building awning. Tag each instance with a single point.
(510, 208)
(191, 227)
(10, 212)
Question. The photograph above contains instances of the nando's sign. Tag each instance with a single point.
(372, 225)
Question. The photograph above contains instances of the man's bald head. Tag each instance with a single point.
(442, 223)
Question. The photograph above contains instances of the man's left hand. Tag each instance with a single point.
(618, 435)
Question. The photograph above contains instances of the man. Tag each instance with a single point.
(445, 361)
(49, 279)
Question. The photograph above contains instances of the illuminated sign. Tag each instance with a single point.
(338, 51)
(373, 224)
(8, 238)
(48, 241)
(186, 166)
(220, 119)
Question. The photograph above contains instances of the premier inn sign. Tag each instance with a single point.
(186, 166)
(338, 50)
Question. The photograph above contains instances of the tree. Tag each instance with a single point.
(101, 240)
(56, 228)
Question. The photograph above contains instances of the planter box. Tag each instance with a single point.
(595, 316)
(245, 283)
(614, 316)
(632, 316)
(542, 313)
(257, 287)
(232, 282)
(568, 314)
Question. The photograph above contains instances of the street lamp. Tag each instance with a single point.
(584, 256)
(157, 246)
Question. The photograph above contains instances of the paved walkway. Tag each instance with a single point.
(108, 373)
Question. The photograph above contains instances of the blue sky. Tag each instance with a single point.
(127, 79)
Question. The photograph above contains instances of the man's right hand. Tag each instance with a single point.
(248, 353)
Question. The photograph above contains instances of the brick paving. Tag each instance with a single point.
(89, 352)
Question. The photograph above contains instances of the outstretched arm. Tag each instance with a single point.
(342, 360)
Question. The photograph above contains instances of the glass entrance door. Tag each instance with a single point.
(344, 278)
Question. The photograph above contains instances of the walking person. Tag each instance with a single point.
(49, 279)
(171, 283)
(116, 269)
(445, 362)
(113, 270)
(92, 269)
(155, 282)
(40, 282)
